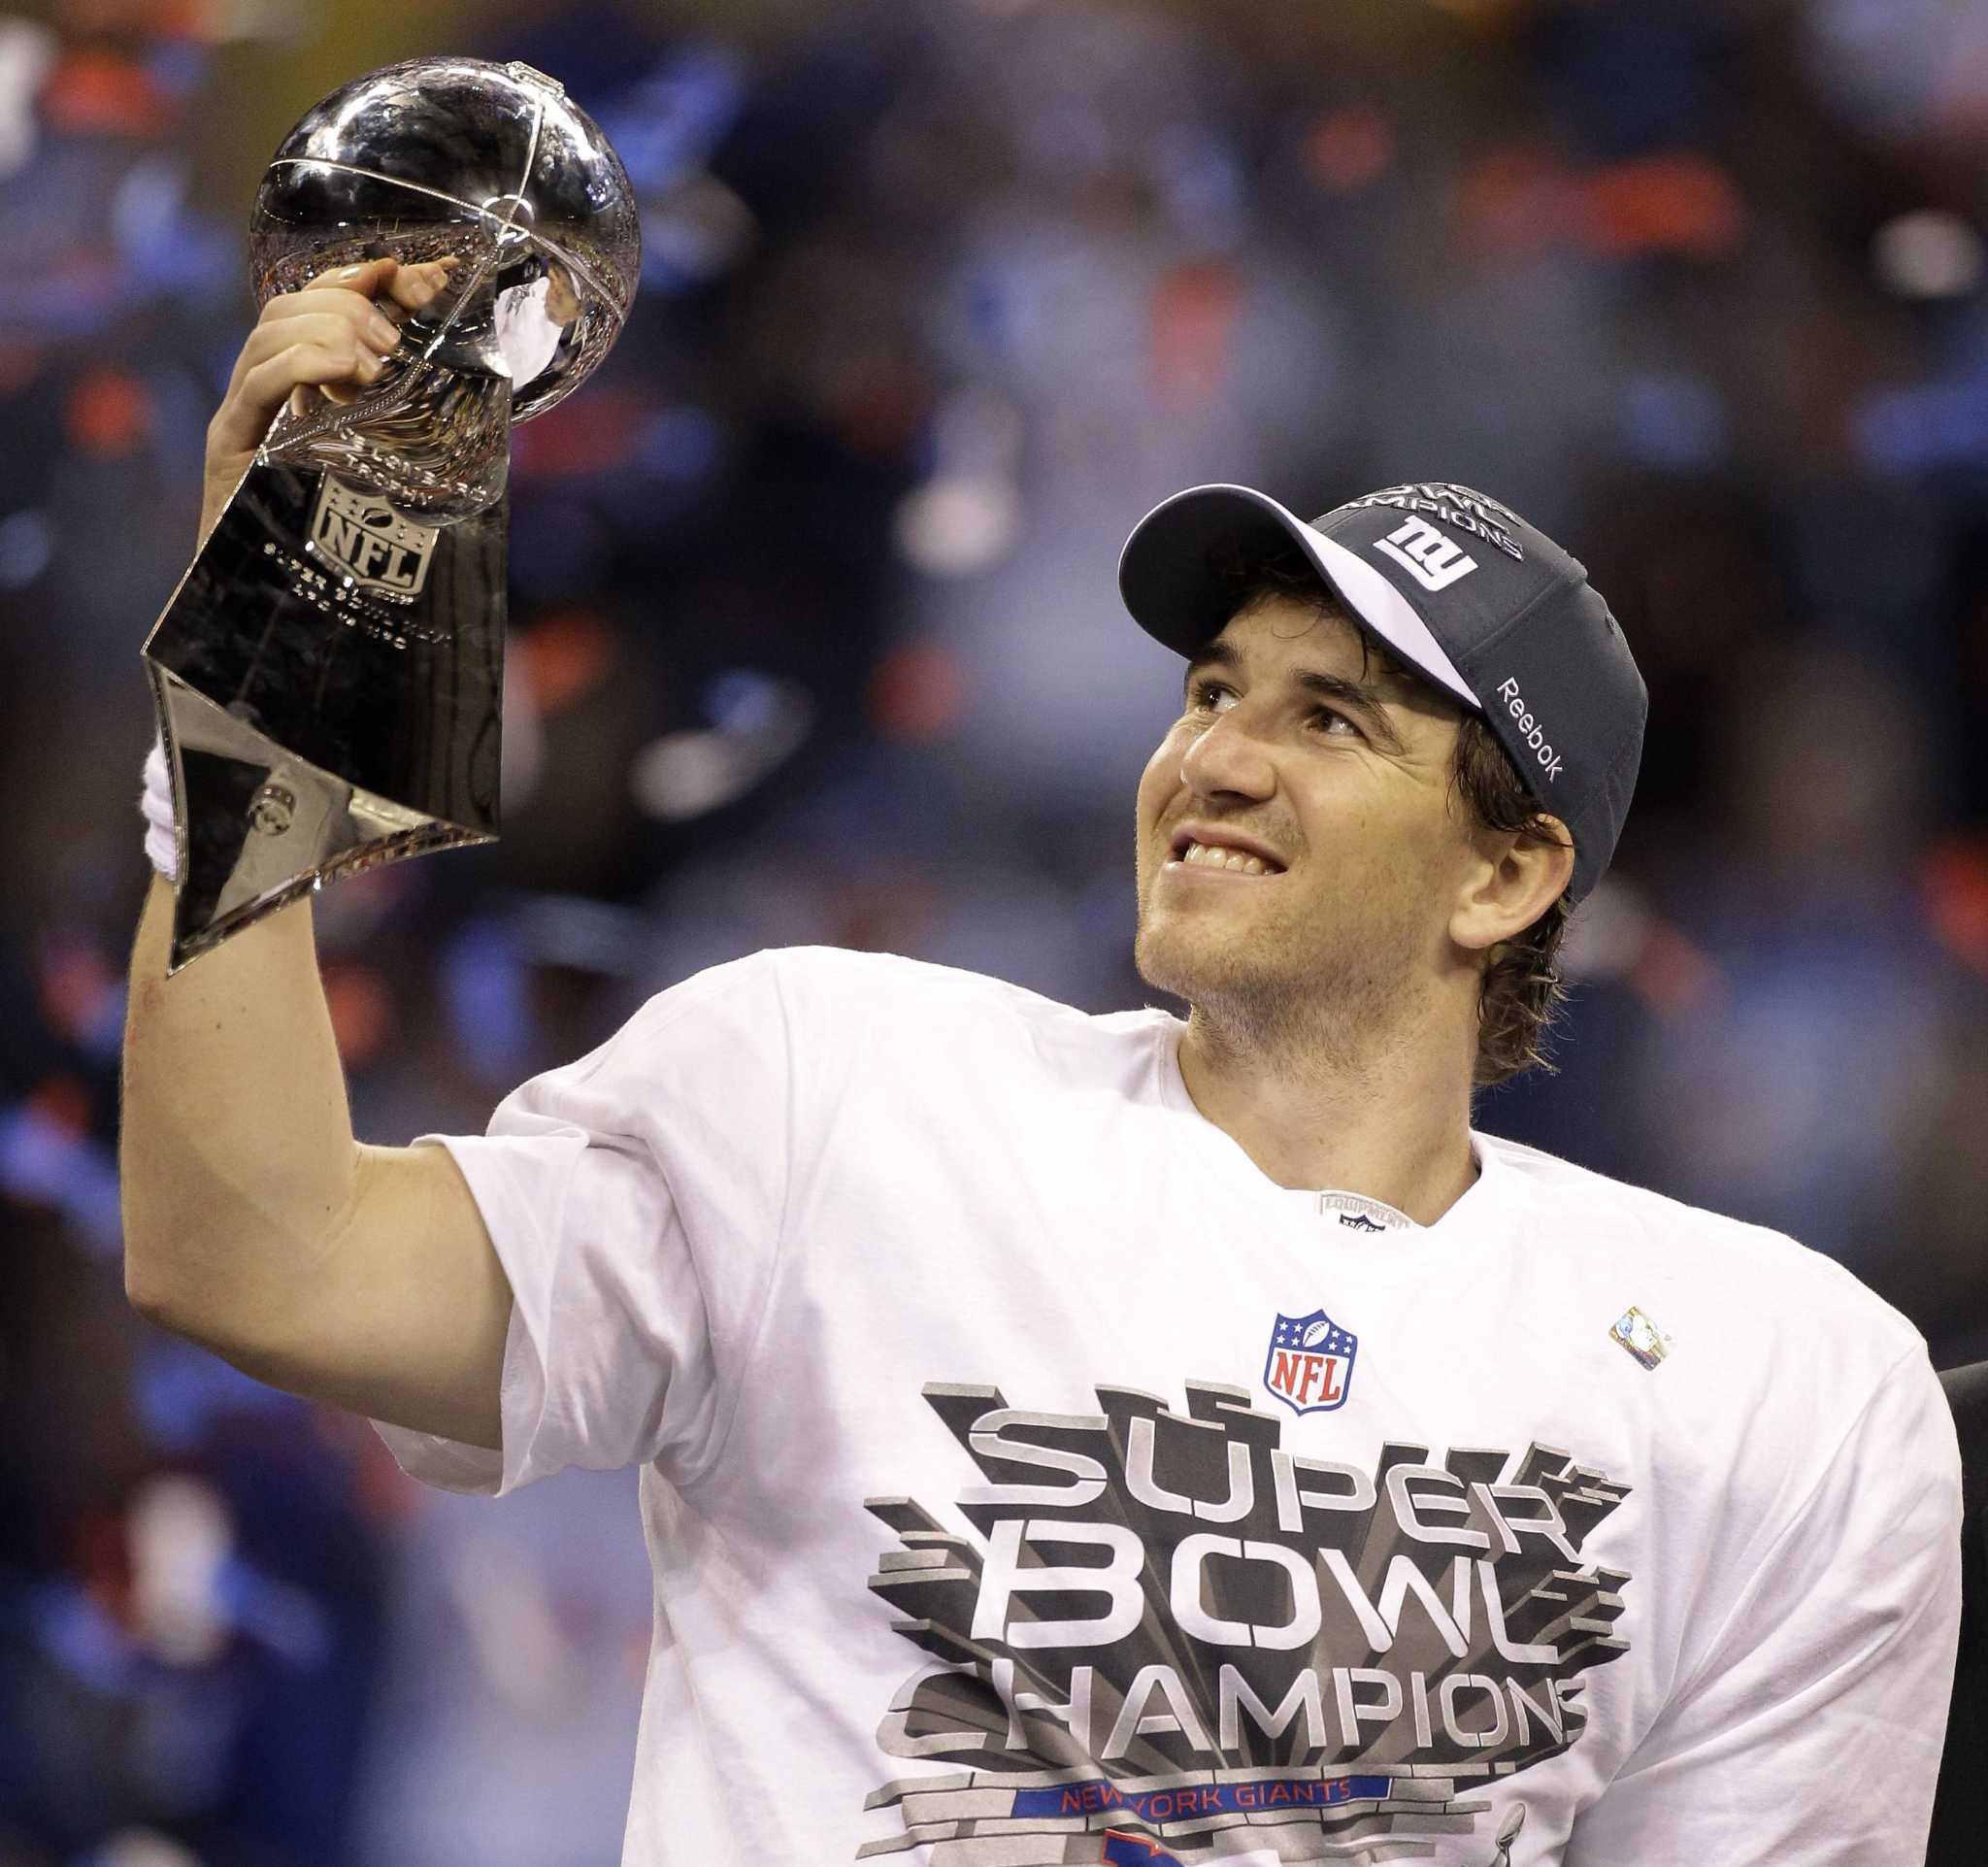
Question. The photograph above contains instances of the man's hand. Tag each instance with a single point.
(332, 337)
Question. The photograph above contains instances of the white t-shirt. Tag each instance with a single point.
(1029, 1479)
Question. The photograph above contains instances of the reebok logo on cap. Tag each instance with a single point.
(1530, 729)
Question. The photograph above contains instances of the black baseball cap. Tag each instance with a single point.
(1480, 604)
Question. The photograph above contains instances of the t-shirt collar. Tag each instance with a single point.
(1226, 1154)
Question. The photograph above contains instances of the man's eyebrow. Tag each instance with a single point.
(1357, 696)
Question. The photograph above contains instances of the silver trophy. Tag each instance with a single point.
(329, 672)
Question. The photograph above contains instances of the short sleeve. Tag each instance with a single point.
(1806, 1730)
(635, 1200)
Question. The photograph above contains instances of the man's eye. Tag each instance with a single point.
(1203, 697)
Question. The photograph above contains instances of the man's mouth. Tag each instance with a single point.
(1221, 858)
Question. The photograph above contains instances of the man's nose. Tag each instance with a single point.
(1227, 756)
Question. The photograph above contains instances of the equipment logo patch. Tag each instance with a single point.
(1309, 1362)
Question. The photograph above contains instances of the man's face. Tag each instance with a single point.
(1294, 744)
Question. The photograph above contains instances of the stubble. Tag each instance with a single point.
(1322, 998)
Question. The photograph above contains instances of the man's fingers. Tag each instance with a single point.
(408, 288)
(331, 335)
(306, 396)
(354, 310)
(413, 287)
(352, 331)
(333, 328)
(244, 416)
(366, 277)
(327, 311)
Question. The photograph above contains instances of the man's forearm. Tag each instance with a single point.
(236, 1154)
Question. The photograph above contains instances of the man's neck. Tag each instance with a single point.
(1395, 1125)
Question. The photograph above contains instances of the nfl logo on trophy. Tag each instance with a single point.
(361, 535)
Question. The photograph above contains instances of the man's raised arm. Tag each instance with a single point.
(254, 1224)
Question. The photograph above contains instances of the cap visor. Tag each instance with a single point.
(1169, 578)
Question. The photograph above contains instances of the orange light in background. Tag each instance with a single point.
(100, 1554)
(565, 655)
(1522, 199)
(1673, 976)
(361, 1011)
(64, 1102)
(884, 911)
(19, 364)
(918, 693)
(1192, 328)
(1513, 201)
(384, 1495)
(1350, 150)
(95, 91)
(1680, 202)
(879, 401)
(584, 435)
(1954, 886)
(1618, 936)
(108, 411)
(76, 983)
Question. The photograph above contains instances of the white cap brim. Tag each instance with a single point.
(1372, 599)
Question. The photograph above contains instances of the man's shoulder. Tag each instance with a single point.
(831, 994)
(881, 981)
(844, 974)
(1742, 1274)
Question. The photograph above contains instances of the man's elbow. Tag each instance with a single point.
(145, 1288)
(160, 1299)
(189, 1282)
(240, 1333)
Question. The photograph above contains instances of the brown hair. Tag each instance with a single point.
(1521, 991)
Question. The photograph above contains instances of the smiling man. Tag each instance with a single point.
(1070, 1437)
(1341, 868)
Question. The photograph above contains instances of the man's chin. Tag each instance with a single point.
(1192, 963)
(1153, 957)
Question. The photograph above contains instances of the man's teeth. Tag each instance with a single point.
(1211, 855)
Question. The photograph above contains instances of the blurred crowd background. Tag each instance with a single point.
(816, 638)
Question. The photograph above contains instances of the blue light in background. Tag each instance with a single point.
(1674, 422)
(666, 126)
(27, 543)
(741, 701)
(1929, 425)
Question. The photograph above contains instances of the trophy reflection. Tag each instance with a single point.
(329, 672)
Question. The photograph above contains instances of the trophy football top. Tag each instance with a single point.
(491, 163)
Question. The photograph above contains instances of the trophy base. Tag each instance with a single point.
(260, 827)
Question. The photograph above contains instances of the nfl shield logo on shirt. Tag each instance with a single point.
(1309, 1364)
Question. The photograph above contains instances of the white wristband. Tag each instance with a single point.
(155, 803)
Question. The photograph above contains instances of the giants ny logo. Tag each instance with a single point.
(1429, 557)
(1309, 1364)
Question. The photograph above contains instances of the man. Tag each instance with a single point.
(1108, 1439)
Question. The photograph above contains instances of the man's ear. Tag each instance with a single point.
(1520, 876)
